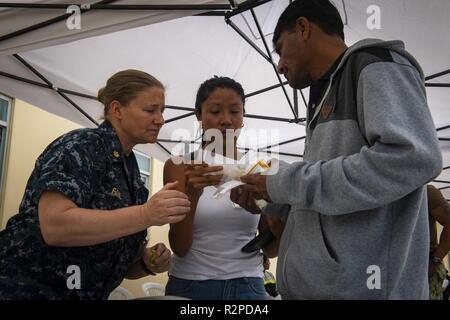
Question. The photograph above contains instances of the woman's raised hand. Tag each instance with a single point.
(199, 176)
(166, 206)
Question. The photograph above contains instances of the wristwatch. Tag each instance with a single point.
(146, 269)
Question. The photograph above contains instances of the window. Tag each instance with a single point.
(4, 120)
(144, 167)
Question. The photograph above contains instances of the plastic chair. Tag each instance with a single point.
(156, 291)
(153, 289)
(120, 293)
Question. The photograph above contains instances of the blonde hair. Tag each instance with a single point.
(124, 86)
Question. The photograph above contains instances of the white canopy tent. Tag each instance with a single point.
(183, 48)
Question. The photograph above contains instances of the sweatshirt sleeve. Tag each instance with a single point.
(403, 154)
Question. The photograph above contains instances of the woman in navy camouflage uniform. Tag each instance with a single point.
(82, 223)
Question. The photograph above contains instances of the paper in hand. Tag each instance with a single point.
(233, 170)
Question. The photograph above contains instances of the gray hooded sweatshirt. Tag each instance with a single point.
(357, 220)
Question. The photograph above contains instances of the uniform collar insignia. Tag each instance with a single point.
(116, 150)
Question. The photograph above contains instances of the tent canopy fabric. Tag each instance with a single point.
(183, 49)
(93, 22)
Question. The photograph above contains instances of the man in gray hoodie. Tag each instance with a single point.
(355, 208)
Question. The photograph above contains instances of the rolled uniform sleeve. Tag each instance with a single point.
(67, 166)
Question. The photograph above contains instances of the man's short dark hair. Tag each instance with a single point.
(320, 12)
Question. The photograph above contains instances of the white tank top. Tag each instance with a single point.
(219, 232)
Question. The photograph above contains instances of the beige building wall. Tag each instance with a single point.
(30, 130)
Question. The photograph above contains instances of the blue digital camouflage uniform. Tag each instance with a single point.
(89, 167)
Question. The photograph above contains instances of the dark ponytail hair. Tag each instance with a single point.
(208, 87)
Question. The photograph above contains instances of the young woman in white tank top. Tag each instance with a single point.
(208, 262)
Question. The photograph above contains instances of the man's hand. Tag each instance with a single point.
(256, 185)
(244, 199)
(254, 189)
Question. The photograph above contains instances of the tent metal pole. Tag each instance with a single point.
(272, 63)
(180, 117)
(179, 108)
(274, 87)
(303, 98)
(164, 148)
(282, 143)
(83, 95)
(441, 181)
(245, 6)
(77, 107)
(215, 10)
(295, 95)
(436, 75)
(264, 90)
(101, 6)
(32, 69)
(45, 23)
(35, 83)
(254, 116)
(247, 39)
(438, 85)
(246, 149)
(33, 27)
(11, 76)
(192, 110)
(442, 128)
(49, 85)
(165, 7)
(447, 187)
(211, 14)
(232, 4)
